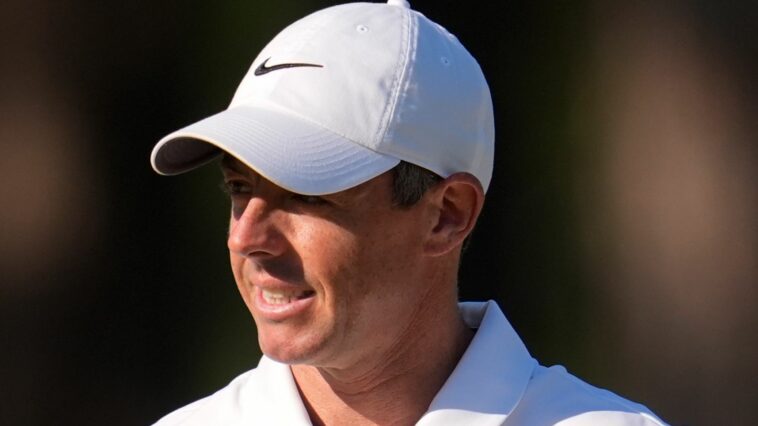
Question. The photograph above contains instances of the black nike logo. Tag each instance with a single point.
(263, 69)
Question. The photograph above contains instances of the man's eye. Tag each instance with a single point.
(234, 187)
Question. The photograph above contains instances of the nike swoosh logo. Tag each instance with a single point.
(263, 69)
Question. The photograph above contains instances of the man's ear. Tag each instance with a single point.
(457, 202)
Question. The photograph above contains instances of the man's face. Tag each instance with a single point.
(329, 280)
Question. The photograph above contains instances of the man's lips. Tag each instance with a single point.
(279, 303)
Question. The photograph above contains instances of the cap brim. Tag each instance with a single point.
(291, 152)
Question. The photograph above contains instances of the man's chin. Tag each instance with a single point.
(291, 344)
(287, 353)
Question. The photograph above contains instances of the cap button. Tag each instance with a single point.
(401, 3)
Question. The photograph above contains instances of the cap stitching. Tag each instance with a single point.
(394, 150)
(402, 69)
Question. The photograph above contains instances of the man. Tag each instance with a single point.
(357, 152)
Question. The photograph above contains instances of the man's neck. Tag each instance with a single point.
(394, 388)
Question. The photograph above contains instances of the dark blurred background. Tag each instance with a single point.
(620, 232)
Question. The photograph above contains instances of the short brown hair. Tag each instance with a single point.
(410, 183)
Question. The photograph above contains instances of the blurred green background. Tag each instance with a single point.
(619, 233)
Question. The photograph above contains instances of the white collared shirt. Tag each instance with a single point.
(496, 382)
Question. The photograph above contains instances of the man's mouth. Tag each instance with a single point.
(283, 297)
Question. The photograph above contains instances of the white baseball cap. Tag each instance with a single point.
(343, 95)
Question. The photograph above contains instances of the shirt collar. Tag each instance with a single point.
(484, 388)
(490, 378)
(273, 397)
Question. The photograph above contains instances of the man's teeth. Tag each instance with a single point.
(283, 297)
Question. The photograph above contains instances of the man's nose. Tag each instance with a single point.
(256, 230)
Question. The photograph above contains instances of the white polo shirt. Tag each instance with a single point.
(496, 382)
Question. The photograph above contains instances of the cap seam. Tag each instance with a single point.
(400, 74)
